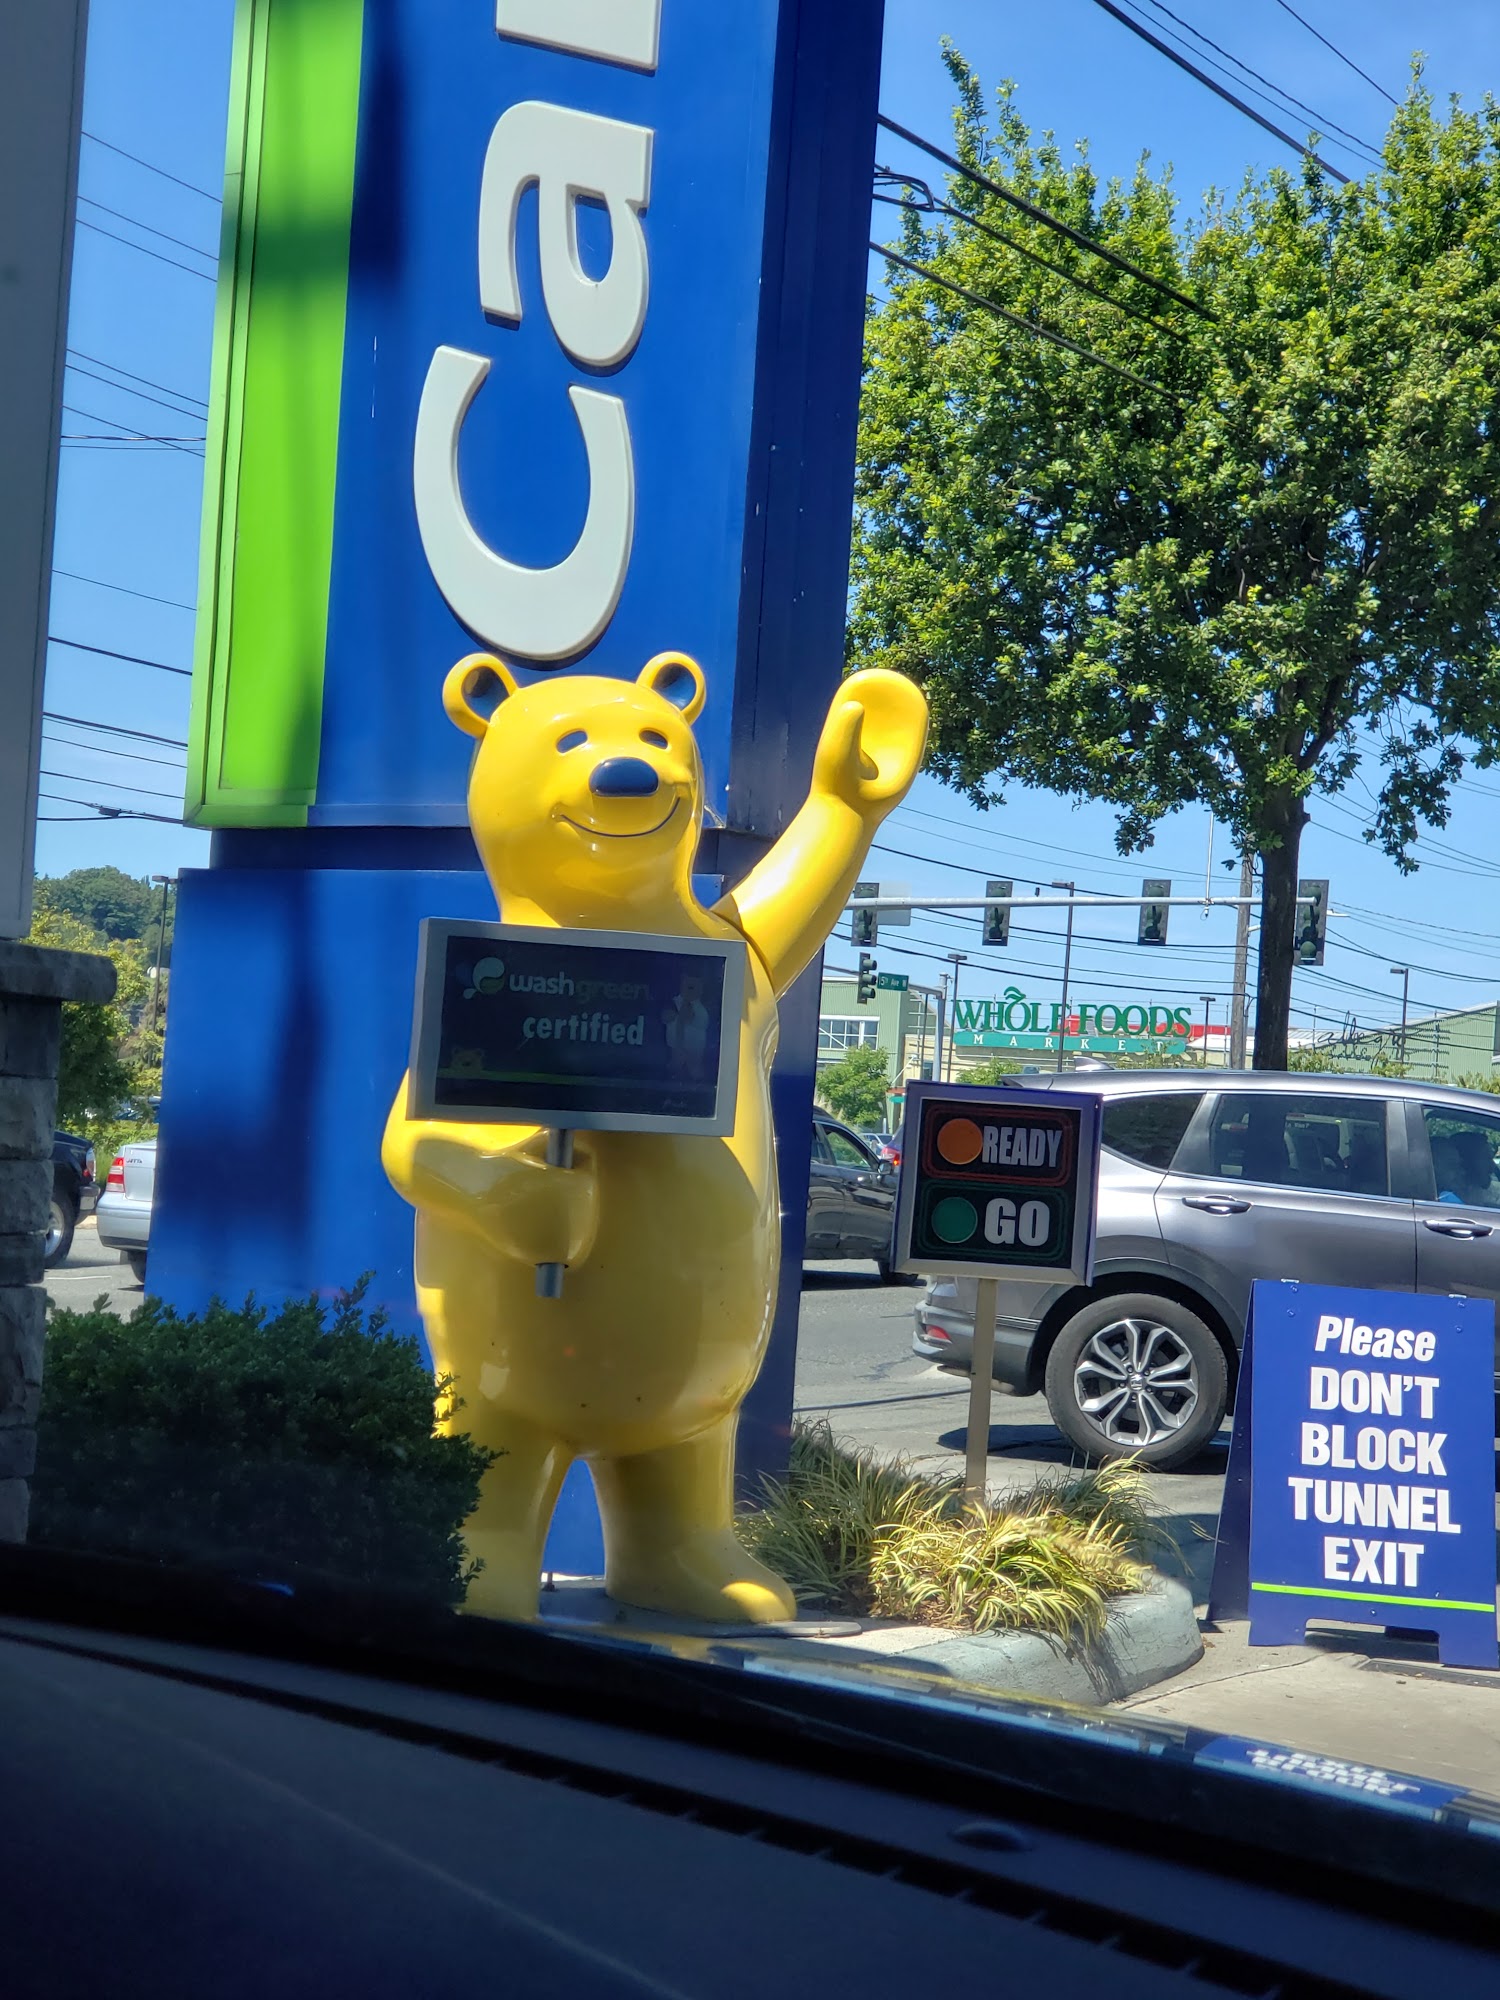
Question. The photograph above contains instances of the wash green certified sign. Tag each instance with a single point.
(1108, 1027)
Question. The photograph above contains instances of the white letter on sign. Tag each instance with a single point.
(541, 614)
(622, 31)
(570, 155)
(1000, 1220)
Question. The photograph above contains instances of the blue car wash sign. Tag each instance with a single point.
(1371, 1445)
(501, 280)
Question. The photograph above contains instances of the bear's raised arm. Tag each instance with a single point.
(867, 756)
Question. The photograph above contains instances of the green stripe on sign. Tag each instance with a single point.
(1374, 1597)
(273, 433)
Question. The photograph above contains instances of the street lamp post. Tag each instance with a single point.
(161, 938)
(957, 958)
(1405, 975)
(1062, 1033)
(1208, 1000)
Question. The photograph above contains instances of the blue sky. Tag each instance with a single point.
(128, 511)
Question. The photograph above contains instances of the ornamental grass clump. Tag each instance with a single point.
(869, 1538)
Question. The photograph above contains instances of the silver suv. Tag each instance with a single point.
(1207, 1182)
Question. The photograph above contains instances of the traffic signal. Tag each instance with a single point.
(1154, 913)
(866, 977)
(863, 925)
(1312, 923)
(997, 922)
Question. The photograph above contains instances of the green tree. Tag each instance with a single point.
(107, 900)
(854, 1088)
(993, 1069)
(1264, 561)
(111, 1056)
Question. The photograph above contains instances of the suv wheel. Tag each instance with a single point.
(60, 1224)
(1137, 1376)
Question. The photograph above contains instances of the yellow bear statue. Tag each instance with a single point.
(585, 800)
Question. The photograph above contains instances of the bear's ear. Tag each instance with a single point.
(676, 679)
(475, 689)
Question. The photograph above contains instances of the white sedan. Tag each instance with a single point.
(124, 1211)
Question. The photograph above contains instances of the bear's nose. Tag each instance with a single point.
(623, 778)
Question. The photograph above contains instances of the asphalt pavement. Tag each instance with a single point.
(89, 1272)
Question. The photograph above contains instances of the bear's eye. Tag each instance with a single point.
(572, 740)
(654, 736)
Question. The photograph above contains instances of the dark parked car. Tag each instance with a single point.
(851, 1197)
(74, 1192)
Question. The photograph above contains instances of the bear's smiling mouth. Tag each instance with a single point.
(599, 833)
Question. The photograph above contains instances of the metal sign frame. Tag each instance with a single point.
(422, 1101)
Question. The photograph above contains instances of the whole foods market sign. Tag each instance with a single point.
(1108, 1027)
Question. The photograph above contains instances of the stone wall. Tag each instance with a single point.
(34, 983)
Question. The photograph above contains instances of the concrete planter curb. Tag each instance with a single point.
(1150, 1636)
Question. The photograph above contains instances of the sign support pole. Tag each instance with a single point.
(549, 1277)
(981, 1395)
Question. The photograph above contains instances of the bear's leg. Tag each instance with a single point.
(507, 1530)
(668, 1540)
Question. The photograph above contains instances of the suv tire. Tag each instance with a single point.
(136, 1259)
(1137, 1375)
(62, 1219)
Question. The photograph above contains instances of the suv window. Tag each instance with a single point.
(1334, 1143)
(1464, 1149)
(1149, 1130)
(846, 1150)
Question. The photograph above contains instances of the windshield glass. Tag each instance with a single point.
(525, 1099)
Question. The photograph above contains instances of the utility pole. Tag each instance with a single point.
(941, 1063)
(1239, 1021)
(1404, 972)
(161, 939)
(1208, 999)
(958, 958)
(1062, 1032)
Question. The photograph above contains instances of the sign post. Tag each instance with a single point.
(996, 1181)
(1361, 1481)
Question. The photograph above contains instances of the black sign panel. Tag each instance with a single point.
(998, 1180)
(608, 1031)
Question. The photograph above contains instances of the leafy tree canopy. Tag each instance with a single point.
(991, 1069)
(107, 900)
(1263, 566)
(854, 1088)
(111, 1054)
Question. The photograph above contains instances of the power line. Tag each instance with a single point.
(125, 389)
(1218, 89)
(186, 395)
(932, 205)
(109, 784)
(1043, 216)
(145, 250)
(109, 812)
(192, 186)
(108, 653)
(116, 728)
(109, 750)
(1027, 325)
(1348, 61)
(1281, 98)
(95, 417)
(76, 576)
(121, 215)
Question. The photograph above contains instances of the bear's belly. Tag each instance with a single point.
(660, 1329)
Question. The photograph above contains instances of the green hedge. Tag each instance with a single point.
(276, 1445)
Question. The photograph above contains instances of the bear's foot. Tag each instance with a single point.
(709, 1576)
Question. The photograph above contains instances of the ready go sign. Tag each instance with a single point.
(996, 1180)
(1371, 1464)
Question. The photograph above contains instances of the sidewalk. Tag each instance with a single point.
(1346, 1693)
